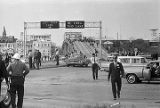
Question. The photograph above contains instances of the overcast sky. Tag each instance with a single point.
(130, 18)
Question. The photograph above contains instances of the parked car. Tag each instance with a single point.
(143, 74)
(5, 97)
(77, 61)
(127, 61)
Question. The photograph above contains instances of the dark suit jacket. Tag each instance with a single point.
(115, 71)
(3, 71)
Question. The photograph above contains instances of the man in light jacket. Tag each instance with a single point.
(17, 70)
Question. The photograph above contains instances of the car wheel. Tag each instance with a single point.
(131, 78)
(7, 101)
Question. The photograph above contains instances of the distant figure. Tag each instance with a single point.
(30, 55)
(39, 58)
(81, 54)
(35, 62)
(72, 55)
(57, 57)
(95, 66)
(96, 52)
(115, 72)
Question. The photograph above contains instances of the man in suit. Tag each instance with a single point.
(116, 71)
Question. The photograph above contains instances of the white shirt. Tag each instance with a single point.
(57, 52)
(96, 60)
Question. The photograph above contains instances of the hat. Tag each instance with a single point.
(16, 56)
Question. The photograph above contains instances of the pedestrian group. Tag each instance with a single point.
(14, 73)
(116, 72)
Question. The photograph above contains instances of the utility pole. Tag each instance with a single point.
(101, 39)
(24, 40)
(117, 43)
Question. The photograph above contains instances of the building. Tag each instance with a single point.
(35, 42)
(44, 46)
(20, 46)
(7, 48)
(155, 34)
(73, 35)
(38, 37)
(7, 43)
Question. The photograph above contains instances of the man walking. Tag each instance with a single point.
(30, 59)
(39, 58)
(57, 57)
(35, 61)
(95, 66)
(115, 72)
(18, 70)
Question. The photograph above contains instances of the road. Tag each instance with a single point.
(73, 87)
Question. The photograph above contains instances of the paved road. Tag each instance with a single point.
(71, 87)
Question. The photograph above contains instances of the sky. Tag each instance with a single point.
(130, 19)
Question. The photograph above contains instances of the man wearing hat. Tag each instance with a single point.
(17, 70)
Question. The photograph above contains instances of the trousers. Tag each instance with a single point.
(95, 71)
(57, 59)
(17, 88)
(30, 62)
(116, 87)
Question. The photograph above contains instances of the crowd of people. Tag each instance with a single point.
(14, 71)
(34, 59)
(116, 72)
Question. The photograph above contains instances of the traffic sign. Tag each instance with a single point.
(75, 24)
(49, 24)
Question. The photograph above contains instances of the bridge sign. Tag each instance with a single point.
(75, 24)
(49, 24)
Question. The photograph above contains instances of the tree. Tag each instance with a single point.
(141, 45)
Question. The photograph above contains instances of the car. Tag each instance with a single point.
(143, 73)
(77, 61)
(5, 97)
(127, 61)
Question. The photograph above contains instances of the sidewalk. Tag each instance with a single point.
(51, 64)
